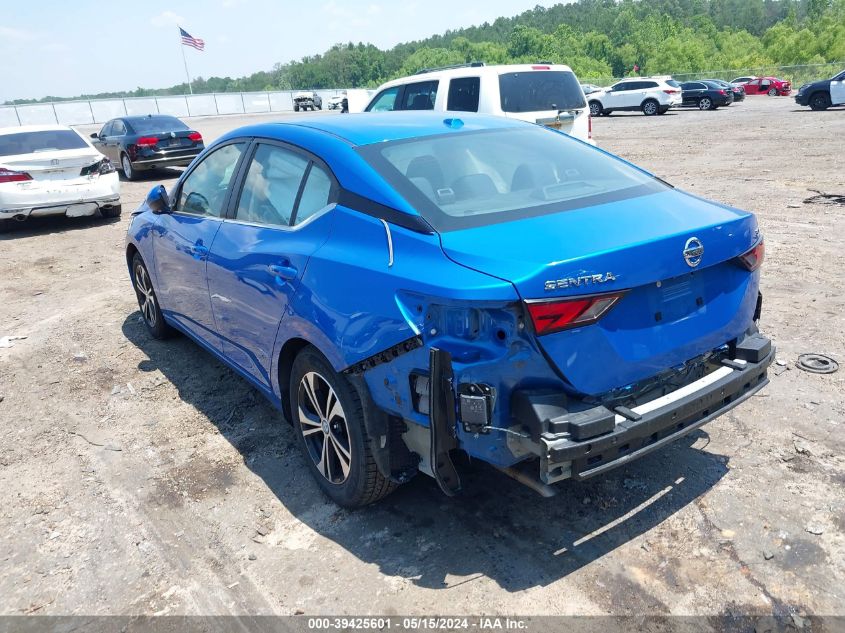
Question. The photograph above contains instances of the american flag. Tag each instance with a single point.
(190, 40)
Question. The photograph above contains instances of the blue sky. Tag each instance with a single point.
(66, 48)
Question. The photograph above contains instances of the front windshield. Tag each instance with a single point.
(461, 180)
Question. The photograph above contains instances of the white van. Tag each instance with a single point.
(548, 94)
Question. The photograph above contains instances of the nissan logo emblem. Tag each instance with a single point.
(693, 252)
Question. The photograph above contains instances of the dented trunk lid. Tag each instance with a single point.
(671, 311)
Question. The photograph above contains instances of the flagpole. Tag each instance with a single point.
(185, 61)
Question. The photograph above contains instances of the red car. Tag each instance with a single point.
(771, 86)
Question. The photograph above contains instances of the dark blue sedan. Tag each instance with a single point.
(404, 285)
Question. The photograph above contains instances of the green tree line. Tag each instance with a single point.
(599, 39)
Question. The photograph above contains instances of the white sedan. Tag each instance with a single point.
(53, 170)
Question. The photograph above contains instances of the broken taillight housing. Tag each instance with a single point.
(554, 315)
(754, 258)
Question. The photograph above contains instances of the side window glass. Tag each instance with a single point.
(463, 94)
(420, 96)
(271, 185)
(106, 131)
(118, 129)
(386, 101)
(315, 194)
(204, 190)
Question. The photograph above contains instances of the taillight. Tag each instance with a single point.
(753, 258)
(147, 141)
(7, 175)
(723, 93)
(671, 92)
(590, 126)
(195, 136)
(562, 314)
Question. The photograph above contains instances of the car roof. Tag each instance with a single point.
(15, 129)
(366, 128)
(463, 71)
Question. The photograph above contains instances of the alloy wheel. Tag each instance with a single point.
(146, 296)
(704, 104)
(127, 166)
(650, 108)
(324, 428)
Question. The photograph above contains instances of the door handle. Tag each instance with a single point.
(285, 271)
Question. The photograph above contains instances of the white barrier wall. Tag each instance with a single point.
(106, 109)
(229, 103)
(174, 106)
(102, 110)
(255, 102)
(141, 106)
(8, 117)
(201, 105)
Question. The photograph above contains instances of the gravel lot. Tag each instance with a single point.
(140, 477)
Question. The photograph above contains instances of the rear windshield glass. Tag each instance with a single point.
(47, 141)
(534, 91)
(151, 125)
(462, 180)
(673, 83)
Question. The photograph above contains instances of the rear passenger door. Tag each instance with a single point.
(464, 94)
(279, 216)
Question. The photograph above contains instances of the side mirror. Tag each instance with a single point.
(158, 201)
(95, 135)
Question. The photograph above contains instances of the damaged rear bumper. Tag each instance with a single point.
(593, 441)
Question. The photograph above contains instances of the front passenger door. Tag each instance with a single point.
(184, 238)
(259, 255)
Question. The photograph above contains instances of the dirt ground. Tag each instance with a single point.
(144, 477)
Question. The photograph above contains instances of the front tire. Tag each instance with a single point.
(773, 92)
(820, 101)
(595, 108)
(126, 166)
(328, 418)
(148, 301)
(650, 107)
(296, 107)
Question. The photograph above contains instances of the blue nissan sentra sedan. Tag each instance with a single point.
(406, 285)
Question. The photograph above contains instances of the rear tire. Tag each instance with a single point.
(705, 103)
(112, 211)
(296, 107)
(126, 167)
(820, 101)
(650, 107)
(328, 419)
(148, 301)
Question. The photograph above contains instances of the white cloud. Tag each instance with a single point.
(18, 35)
(340, 16)
(166, 18)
